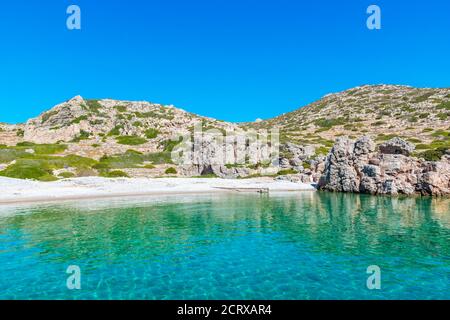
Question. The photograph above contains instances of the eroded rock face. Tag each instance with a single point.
(397, 146)
(355, 166)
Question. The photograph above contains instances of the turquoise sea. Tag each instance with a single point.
(235, 246)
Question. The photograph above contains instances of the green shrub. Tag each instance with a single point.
(83, 135)
(115, 131)
(79, 119)
(137, 124)
(386, 137)
(170, 170)
(286, 172)
(66, 175)
(306, 165)
(442, 116)
(130, 140)
(121, 108)
(328, 123)
(96, 122)
(93, 105)
(444, 105)
(114, 174)
(432, 155)
(423, 97)
(42, 148)
(422, 146)
(151, 133)
(414, 140)
(28, 170)
(169, 145)
(321, 151)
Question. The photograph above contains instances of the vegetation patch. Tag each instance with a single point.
(40, 167)
(433, 155)
(329, 123)
(121, 108)
(79, 119)
(171, 170)
(93, 106)
(115, 131)
(151, 133)
(114, 174)
(83, 135)
(169, 145)
(423, 97)
(286, 172)
(130, 140)
(66, 175)
(444, 105)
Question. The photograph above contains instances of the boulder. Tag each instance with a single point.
(397, 146)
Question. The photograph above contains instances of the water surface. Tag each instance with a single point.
(235, 246)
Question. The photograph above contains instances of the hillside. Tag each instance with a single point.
(107, 137)
(421, 116)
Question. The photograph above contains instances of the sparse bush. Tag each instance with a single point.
(79, 119)
(115, 131)
(433, 155)
(28, 170)
(114, 174)
(83, 135)
(66, 175)
(286, 172)
(171, 170)
(93, 105)
(444, 105)
(130, 140)
(121, 108)
(151, 133)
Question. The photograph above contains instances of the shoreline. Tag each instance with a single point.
(16, 191)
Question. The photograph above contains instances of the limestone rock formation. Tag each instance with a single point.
(397, 146)
(355, 166)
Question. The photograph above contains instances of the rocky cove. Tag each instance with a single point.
(381, 139)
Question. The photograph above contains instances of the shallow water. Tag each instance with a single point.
(239, 246)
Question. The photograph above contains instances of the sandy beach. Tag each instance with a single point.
(16, 191)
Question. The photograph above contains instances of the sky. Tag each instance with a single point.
(234, 60)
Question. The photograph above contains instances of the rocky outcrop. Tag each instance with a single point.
(397, 146)
(356, 166)
(233, 156)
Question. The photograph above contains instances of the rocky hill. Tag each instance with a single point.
(115, 138)
(421, 116)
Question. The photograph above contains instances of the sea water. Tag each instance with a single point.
(307, 245)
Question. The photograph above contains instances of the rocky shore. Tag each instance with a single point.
(359, 166)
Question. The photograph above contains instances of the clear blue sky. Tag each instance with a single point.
(235, 60)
